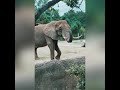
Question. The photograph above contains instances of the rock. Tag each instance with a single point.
(52, 75)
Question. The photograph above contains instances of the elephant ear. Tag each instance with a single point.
(50, 31)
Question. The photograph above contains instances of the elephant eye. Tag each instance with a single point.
(60, 28)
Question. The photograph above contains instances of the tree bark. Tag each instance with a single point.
(44, 8)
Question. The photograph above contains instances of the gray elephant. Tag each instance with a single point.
(48, 34)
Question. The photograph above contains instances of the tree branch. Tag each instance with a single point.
(79, 6)
(80, 3)
(45, 7)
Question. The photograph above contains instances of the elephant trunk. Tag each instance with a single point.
(67, 35)
(70, 37)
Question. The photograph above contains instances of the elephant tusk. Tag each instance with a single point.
(65, 38)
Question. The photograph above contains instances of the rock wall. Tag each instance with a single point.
(52, 75)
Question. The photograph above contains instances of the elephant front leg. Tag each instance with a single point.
(36, 56)
(58, 51)
(51, 47)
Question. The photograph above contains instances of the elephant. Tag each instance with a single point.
(48, 35)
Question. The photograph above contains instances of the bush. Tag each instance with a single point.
(79, 73)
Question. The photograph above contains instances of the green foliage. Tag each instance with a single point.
(40, 3)
(76, 20)
(82, 31)
(71, 3)
(79, 73)
(48, 16)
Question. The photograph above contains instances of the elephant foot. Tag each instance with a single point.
(57, 58)
(52, 59)
(37, 58)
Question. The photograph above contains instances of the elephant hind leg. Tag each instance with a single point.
(57, 50)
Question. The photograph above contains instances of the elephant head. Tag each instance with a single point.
(59, 28)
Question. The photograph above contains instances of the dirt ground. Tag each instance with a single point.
(68, 50)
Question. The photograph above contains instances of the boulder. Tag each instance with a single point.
(52, 75)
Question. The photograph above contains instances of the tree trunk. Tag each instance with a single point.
(44, 8)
